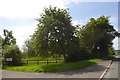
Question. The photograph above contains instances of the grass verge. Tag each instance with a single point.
(55, 67)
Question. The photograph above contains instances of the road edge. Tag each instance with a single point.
(101, 77)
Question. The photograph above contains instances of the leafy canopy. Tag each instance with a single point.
(55, 33)
(97, 34)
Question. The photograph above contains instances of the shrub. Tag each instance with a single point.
(12, 51)
(111, 51)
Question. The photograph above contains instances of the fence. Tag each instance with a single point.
(37, 62)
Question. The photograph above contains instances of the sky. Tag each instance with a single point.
(19, 15)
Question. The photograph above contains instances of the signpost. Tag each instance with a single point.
(8, 59)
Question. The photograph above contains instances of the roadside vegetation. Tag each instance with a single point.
(55, 39)
(55, 67)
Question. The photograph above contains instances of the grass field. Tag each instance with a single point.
(55, 67)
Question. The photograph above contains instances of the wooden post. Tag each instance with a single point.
(37, 62)
(27, 62)
(56, 61)
(47, 61)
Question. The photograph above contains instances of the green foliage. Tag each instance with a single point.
(29, 48)
(43, 58)
(97, 33)
(117, 52)
(12, 51)
(9, 39)
(55, 33)
(24, 54)
(111, 51)
(56, 67)
(1, 46)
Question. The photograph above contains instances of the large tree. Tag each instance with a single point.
(55, 33)
(97, 36)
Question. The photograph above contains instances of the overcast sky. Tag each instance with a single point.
(19, 15)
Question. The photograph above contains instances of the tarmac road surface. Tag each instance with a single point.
(114, 70)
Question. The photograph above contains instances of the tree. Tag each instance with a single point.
(55, 33)
(29, 48)
(1, 39)
(10, 49)
(97, 36)
(9, 39)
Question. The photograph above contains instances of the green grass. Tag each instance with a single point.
(41, 58)
(34, 60)
(55, 67)
(43, 62)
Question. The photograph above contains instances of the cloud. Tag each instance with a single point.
(26, 8)
(118, 43)
(115, 45)
(77, 1)
(114, 22)
(32, 8)
(15, 15)
(79, 22)
(21, 33)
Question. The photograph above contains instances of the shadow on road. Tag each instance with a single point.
(116, 59)
(94, 68)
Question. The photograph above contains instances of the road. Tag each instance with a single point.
(114, 70)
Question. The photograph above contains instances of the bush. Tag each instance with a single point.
(12, 51)
(81, 54)
(111, 51)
